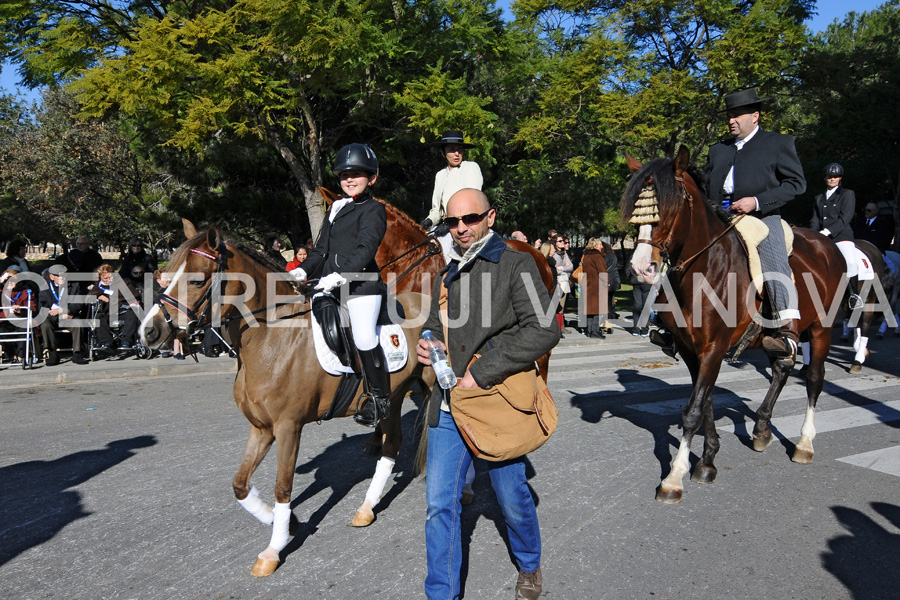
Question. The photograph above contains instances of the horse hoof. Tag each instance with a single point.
(263, 567)
(362, 518)
(762, 442)
(704, 474)
(467, 499)
(856, 368)
(802, 456)
(668, 495)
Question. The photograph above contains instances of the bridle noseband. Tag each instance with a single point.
(205, 300)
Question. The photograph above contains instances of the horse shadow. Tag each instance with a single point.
(865, 560)
(46, 484)
(598, 406)
(486, 505)
(339, 468)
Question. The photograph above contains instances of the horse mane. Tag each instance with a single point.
(400, 215)
(668, 191)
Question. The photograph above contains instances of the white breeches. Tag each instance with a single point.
(848, 249)
(363, 311)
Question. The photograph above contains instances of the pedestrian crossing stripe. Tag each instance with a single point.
(886, 460)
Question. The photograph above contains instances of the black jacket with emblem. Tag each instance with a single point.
(348, 245)
(498, 308)
(767, 167)
(834, 214)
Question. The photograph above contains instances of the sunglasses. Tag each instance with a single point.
(470, 219)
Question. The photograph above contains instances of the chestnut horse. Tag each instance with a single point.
(706, 256)
(280, 386)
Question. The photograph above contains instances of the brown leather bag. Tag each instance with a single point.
(509, 420)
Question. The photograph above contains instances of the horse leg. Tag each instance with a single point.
(704, 375)
(705, 471)
(815, 380)
(390, 444)
(861, 341)
(762, 435)
(258, 443)
(287, 441)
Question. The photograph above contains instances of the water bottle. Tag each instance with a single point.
(445, 375)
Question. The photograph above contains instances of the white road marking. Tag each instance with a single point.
(886, 460)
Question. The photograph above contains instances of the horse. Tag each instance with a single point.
(868, 292)
(699, 242)
(279, 386)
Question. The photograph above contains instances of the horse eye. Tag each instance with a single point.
(198, 282)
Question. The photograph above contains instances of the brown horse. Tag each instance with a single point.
(873, 293)
(705, 254)
(280, 386)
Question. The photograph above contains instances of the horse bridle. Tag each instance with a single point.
(205, 300)
(434, 248)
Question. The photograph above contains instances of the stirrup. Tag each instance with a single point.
(855, 302)
(372, 410)
(665, 341)
(781, 345)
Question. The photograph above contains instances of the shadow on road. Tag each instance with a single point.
(36, 501)
(865, 560)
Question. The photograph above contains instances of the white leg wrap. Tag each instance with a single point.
(281, 526)
(379, 480)
(861, 351)
(856, 337)
(805, 352)
(256, 507)
(808, 430)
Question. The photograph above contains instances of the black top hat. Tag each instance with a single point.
(452, 136)
(742, 98)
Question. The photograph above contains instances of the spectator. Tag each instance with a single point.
(83, 259)
(274, 252)
(137, 256)
(162, 282)
(15, 256)
(299, 256)
(15, 302)
(519, 236)
(594, 289)
(55, 299)
(643, 295)
(874, 228)
(111, 294)
(547, 250)
(614, 281)
(564, 268)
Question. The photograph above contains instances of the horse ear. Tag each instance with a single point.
(681, 160)
(633, 163)
(189, 229)
(327, 195)
(213, 238)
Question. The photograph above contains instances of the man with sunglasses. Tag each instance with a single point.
(492, 295)
(457, 174)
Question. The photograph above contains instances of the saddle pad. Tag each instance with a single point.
(866, 272)
(753, 231)
(392, 340)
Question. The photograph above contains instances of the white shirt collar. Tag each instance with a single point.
(740, 143)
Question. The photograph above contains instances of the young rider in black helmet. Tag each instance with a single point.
(350, 236)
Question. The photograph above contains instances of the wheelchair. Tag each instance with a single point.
(97, 350)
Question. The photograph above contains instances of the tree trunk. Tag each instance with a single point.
(308, 184)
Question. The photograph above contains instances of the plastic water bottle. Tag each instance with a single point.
(445, 375)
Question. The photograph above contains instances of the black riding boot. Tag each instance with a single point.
(783, 343)
(376, 406)
(853, 300)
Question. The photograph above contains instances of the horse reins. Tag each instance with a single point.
(434, 249)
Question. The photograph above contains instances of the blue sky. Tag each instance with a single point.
(828, 11)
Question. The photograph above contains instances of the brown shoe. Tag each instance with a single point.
(782, 344)
(528, 586)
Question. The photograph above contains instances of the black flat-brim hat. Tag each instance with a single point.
(452, 136)
(742, 98)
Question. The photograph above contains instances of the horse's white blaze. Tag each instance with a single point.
(379, 480)
(254, 505)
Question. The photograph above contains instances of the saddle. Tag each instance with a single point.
(752, 231)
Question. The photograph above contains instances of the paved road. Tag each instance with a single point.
(116, 484)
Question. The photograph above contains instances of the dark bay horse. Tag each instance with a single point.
(872, 293)
(280, 385)
(706, 255)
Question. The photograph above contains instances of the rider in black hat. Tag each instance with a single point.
(456, 175)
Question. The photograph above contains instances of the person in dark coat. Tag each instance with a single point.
(350, 236)
(116, 301)
(137, 256)
(757, 172)
(833, 210)
(489, 282)
(55, 299)
(614, 281)
(874, 228)
(596, 284)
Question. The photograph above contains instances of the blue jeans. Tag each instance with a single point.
(448, 461)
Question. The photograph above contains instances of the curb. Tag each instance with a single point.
(102, 371)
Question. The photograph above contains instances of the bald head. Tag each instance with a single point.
(469, 205)
(518, 235)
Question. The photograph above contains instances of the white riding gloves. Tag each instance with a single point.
(825, 232)
(331, 281)
(298, 274)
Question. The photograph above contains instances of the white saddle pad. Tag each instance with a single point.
(392, 340)
(866, 272)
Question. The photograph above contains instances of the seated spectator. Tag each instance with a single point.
(111, 293)
(15, 302)
(55, 300)
(15, 256)
(299, 256)
(137, 256)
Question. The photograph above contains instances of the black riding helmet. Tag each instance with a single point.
(355, 156)
(834, 170)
